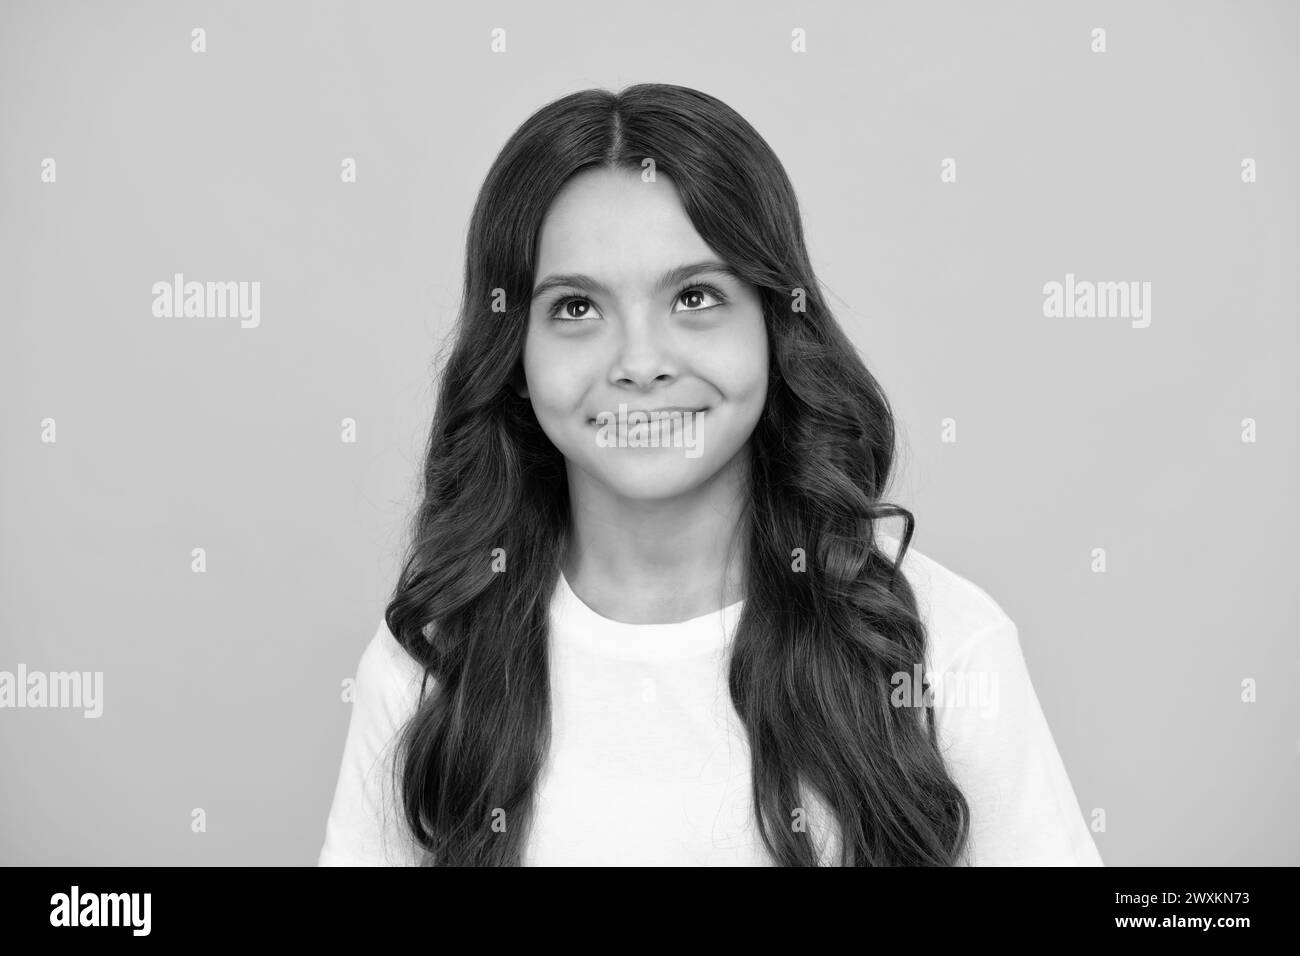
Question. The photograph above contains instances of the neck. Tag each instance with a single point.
(657, 561)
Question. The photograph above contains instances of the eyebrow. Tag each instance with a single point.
(670, 278)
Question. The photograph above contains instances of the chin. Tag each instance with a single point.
(650, 474)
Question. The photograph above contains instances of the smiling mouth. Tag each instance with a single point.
(653, 413)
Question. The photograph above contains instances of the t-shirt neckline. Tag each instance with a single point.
(574, 623)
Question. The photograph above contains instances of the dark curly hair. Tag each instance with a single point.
(814, 650)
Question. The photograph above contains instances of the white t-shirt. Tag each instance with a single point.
(649, 763)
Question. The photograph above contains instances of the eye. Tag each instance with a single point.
(696, 298)
(571, 309)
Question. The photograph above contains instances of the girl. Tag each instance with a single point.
(648, 615)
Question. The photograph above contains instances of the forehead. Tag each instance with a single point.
(611, 224)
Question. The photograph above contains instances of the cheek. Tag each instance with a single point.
(744, 372)
(553, 382)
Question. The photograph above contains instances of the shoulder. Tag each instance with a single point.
(365, 825)
(956, 611)
(388, 677)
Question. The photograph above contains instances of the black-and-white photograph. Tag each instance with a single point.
(685, 435)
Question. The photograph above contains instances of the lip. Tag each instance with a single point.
(667, 409)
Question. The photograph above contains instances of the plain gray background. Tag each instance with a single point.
(222, 690)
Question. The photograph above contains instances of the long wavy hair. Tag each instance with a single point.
(815, 648)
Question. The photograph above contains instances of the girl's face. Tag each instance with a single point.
(631, 307)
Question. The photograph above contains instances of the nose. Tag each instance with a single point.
(644, 355)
